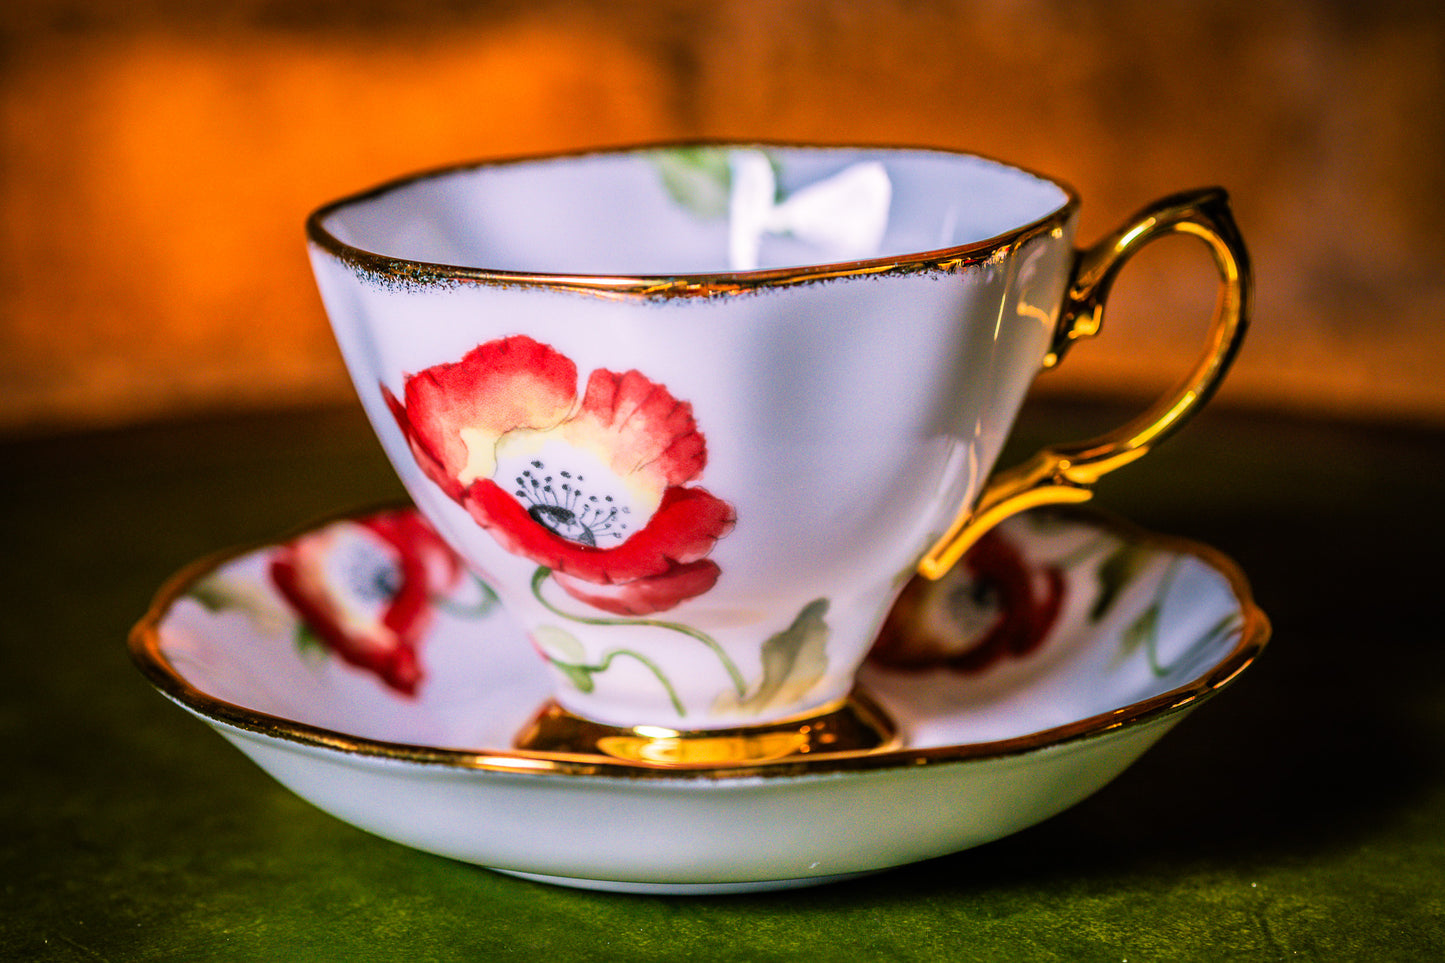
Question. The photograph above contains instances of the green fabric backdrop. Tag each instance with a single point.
(1299, 816)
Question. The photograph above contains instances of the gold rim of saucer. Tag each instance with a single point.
(144, 643)
(853, 724)
(391, 269)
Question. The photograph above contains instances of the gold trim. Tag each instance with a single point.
(854, 724)
(1063, 474)
(144, 646)
(397, 270)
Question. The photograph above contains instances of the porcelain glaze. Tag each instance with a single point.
(746, 359)
(1121, 634)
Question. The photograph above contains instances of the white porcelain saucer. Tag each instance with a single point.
(1139, 630)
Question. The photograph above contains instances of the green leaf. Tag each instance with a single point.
(218, 592)
(1116, 574)
(1143, 632)
(567, 654)
(212, 596)
(558, 645)
(309, 644)
(697, 178)
(1228, 625)
(486, 601)
(579, 675)
(793, 662)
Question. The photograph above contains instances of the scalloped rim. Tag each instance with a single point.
(399, 270)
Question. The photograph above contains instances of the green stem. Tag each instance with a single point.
(737, 677)
(651, 666)
(488, 601)
(1151, 644)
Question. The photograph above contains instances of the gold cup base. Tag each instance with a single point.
(856, 724)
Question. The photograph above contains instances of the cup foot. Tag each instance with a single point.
(856, 724)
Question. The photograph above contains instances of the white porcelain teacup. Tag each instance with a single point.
(697, 413)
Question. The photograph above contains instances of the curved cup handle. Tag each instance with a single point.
(1063, 474)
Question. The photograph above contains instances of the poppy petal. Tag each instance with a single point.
(686, 525)
(924, 629)
(645, 596)
(384, 642)
(428, 462)
(458, 410)
(639, 429)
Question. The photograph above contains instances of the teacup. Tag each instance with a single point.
(697, 413)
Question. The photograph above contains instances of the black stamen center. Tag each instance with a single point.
(373, 577)
(561, 503)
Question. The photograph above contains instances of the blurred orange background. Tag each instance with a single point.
(157, 160)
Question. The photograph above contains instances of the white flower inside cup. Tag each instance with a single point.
(843, 216)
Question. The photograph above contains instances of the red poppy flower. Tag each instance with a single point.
(363, 589)
(994, 605)
(594, 489)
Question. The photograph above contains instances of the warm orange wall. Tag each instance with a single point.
(156, 163)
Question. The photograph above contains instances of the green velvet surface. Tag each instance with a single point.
(1299, 816)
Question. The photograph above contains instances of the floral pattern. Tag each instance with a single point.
(365, 590)
(1001, 603)
(993, 607)
(841, 217)
(596, 490)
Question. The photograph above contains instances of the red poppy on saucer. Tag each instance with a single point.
(595, 489)
(993, 605)
(363, 589)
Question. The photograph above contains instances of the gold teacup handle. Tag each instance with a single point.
(1063, 474)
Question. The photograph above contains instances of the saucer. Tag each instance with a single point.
(1005, 719)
